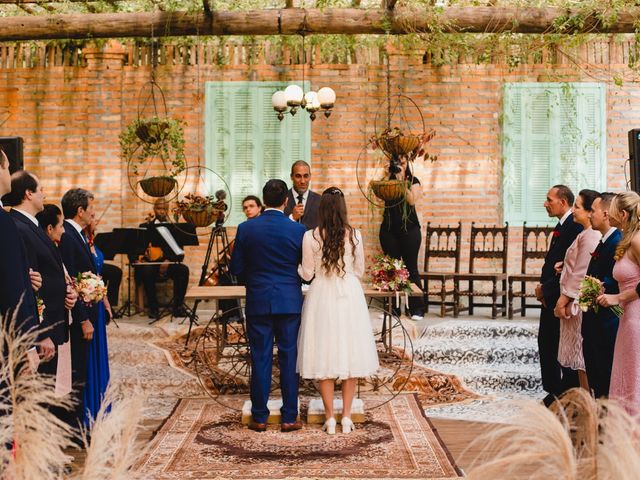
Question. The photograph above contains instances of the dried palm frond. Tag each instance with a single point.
(535, 446)
(114, 445)
(25, 419)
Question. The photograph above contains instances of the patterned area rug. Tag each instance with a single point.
(203, 440)
(432, 387)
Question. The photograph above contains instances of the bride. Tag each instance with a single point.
(336, 339)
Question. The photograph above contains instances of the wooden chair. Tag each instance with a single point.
(487, 243)
(441, 242)
(535, 243)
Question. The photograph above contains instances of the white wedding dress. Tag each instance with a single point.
(336, 338)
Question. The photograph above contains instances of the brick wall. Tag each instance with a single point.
(70, 110)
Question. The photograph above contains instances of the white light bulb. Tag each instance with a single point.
(279, 100)
(293, 95)
(327, 96)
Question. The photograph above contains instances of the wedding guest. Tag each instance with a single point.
(98, 360)
(599, 329)
(16, 289)
(302, 203)
(252, 206)
(27, 197)
(79, 211)
(400, 232)
(336, 339)
(555, 379)
(573, 270)
(625, 372)
(266, 254)
(51, 222)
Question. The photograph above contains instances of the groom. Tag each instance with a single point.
(266, 254)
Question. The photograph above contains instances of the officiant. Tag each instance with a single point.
(158, 267)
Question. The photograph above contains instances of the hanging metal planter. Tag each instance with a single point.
(389, 190)
(158, 187)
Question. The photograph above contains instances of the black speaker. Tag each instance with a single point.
(14, 149)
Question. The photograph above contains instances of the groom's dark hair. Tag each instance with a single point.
(274, 193)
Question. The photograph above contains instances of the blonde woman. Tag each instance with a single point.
(624, 213)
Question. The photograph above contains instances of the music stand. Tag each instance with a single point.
(128, 241)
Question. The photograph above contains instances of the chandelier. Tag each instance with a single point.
(293, 97)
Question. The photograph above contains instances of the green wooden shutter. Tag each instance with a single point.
(246, 144)
(552, 133)
(512, 140)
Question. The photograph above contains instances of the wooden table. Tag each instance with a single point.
(238, 292)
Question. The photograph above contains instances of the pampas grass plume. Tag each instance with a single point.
(535, 446)
(114, 447)
(25, 397)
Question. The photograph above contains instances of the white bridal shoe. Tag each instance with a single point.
(347, 425)
(330, 426)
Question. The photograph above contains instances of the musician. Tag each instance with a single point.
(161, 268)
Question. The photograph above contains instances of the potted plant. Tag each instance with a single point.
(155, 137)
(201, 211)
(396, 145)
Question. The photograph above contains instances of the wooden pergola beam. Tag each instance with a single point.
(288, 21)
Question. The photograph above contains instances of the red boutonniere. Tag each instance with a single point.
(595, 254)
(556, 233)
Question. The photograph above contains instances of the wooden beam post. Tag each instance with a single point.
(288, 21)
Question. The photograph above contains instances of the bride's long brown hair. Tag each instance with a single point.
(332, 227)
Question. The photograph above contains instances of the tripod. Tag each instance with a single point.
(220, 239)
(125, 309)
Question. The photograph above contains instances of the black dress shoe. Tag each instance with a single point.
(153, 313)
(291, 427)
(257, 426)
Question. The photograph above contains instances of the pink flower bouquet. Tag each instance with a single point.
(390, 275)
(90, 288)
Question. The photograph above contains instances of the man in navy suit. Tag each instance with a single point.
(27, 198)
(78, 211)
(15, 282)
(266, 255)
(555, 379)
(599, 329)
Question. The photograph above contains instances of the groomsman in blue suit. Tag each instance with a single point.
(78, 209)
(599, 329)
(266, 255)
(15, 282)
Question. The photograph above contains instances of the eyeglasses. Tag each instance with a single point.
(333, 191)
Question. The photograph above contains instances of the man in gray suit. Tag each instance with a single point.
(302, 203)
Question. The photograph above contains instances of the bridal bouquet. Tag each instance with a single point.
(390, 275)
(590, 289)
(90, 288)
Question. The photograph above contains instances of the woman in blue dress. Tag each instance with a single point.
(98, 361)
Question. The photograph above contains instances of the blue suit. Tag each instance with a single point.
(599, 329)
(266, 255)
(77, 257)
(15, 284)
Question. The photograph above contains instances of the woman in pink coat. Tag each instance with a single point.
(574, 269)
